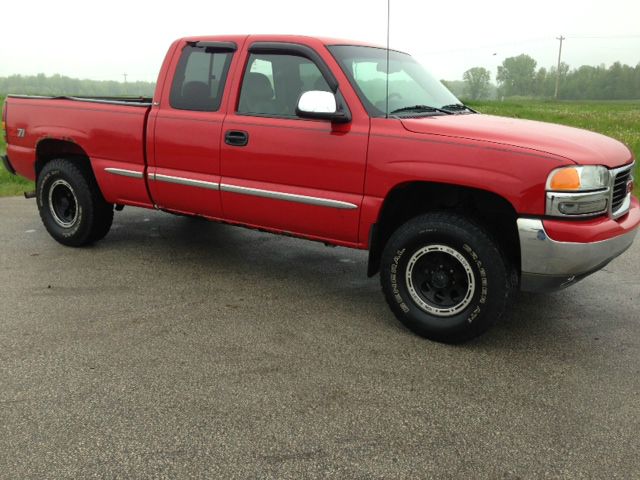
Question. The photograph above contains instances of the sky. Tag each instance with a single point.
(105, 40)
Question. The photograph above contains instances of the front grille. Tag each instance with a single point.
(620, 189)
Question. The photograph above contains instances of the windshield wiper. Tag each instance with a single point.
(420, 108)
(457, 107)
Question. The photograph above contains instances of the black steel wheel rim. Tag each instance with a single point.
(440, 280)
(63, 203)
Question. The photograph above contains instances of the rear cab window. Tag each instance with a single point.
(200, 78)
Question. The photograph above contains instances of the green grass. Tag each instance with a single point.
(617, 119)
(620, 120)
(12, 184)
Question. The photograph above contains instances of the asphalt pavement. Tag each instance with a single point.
(179, 348)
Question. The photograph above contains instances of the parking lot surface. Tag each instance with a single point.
(178, 348)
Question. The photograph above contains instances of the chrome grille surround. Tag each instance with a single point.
(620, 200)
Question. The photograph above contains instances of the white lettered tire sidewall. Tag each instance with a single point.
(491, 287)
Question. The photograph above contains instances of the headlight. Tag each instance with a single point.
(578, 191)
(578, 179)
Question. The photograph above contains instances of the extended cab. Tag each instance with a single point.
(303, 136)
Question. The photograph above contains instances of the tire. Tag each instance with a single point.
(444, 278)
(71, 205)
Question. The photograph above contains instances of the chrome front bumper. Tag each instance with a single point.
(549, 265)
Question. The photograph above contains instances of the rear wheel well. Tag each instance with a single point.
(407, 201)
(50, 149)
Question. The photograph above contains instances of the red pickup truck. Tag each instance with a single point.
(303, 136)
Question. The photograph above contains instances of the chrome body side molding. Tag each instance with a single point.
(191, 182)
(290, 197)
(123, 172)
(256, 192)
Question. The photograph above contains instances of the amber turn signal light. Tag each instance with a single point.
(565, 179)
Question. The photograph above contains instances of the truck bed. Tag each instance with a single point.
(135, 101)
(109, 130)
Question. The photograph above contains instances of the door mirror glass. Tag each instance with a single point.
(317, 104)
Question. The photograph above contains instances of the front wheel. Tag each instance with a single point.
(444, 278)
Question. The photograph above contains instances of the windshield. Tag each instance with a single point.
(410, 84)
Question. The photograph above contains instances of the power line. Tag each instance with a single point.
(494, 45)
(534, 40)
(603, 36)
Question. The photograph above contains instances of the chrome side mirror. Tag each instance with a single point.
(319, 105)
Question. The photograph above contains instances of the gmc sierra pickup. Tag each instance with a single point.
(299, 136)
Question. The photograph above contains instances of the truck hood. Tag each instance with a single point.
(581, 146)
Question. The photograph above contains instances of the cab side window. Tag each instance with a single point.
(199, 80)
(273, 83)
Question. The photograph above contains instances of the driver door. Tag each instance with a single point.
(290, 174)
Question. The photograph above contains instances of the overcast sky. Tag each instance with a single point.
(103, 40)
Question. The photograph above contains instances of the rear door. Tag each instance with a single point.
(184, 171)
(283, 172)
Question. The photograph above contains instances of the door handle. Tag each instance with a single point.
(236, 138)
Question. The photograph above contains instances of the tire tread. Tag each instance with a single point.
(415, 227)
(98, 212)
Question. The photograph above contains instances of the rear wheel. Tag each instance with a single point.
(444, 277)
(71, 205)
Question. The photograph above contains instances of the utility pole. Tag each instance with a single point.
(125, 83)
(561, 38)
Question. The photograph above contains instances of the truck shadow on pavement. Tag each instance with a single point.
(257, 268)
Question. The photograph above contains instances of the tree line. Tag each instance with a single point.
(53, 85)
(518, 76)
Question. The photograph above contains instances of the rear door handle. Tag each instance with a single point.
(236, 138)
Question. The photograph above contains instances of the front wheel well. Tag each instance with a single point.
(404, 202)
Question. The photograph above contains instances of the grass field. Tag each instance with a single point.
(620, 120)
(12, 184)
